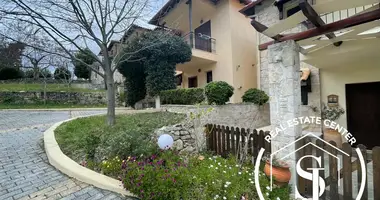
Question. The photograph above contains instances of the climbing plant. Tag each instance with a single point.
(158, 54)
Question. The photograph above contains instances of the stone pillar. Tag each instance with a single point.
(285, 98)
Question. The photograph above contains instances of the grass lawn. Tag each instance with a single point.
(16, 87)
(77, 137)
(47, 106)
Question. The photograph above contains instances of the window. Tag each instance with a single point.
(179, 79)
(209, 76)
(193, 82)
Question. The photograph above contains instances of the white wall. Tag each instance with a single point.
(333, 81)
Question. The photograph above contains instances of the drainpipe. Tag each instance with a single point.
(190, 2)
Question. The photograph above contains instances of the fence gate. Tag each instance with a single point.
(339, 166)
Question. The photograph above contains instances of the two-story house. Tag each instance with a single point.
(222, 42)
(338, 43)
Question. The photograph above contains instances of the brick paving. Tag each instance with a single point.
(24, 169)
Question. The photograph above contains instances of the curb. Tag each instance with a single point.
(69, 167)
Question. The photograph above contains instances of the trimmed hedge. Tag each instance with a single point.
(255, 96)
(218, 92)
(183, 96)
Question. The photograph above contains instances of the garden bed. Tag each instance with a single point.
(126, 152)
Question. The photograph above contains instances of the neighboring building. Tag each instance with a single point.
(114, 48)
(222, 42)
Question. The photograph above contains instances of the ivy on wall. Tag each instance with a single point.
(148, 63)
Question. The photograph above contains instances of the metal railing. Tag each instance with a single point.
(200, 41)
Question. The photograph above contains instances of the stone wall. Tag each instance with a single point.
(183, 135)
(236, 115)
(85, 98)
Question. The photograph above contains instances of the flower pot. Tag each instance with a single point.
(333, 135)
(281, 175)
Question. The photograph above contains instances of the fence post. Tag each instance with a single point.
(376, 172)
(333, 172)
(320, 153)
(228, 135)
(347, 171)
(219, 139)
(233, 148)
(237, 140)
(214, 137)
(242, 142)
(363, 150)
(255, 143)
(223, 144)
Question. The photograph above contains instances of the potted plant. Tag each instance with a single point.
(332, 114)
(280, 171)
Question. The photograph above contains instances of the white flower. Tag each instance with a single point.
(268, 188)
(239, 173)
(228, 183)
(211, 165)
(252, 182)
(250, 179)
(216, 167)
(225, 186)
(236, 165)
(219, 163)
(267, 194)
(210, 158)
(224, 197)
(278, 198)
(246, 171)
(213, 182)
(229, 168)
(224, 172)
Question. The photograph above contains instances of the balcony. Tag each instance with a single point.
(203, 51)
(200, 41)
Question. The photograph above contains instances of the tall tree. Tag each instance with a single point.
(10, 53)
(82, 70)
(74, 24)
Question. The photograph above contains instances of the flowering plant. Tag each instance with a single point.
(332, 113)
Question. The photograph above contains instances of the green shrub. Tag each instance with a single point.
(62, 73)
(10, 73)
(91, 142)
(185, 96)
(218, 92)
(255, 96)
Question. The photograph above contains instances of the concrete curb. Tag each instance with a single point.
(69, 167)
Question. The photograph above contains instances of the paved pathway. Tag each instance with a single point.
(24, 169)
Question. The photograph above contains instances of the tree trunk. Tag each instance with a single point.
(111, 101)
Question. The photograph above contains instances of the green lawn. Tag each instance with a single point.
(16, 87)
(79, 137)
(47, 106)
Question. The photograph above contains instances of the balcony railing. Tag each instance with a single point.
(200, 41)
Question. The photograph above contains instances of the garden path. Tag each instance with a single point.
(25, 172)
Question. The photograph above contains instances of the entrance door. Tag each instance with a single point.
(203, 37)
(363, 112)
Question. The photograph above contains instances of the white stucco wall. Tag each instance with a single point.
(334, 79)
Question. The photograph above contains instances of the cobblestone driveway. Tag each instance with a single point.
(24, 169)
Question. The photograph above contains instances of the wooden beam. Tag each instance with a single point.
(328, 28)
(261, 28)
(314, 18)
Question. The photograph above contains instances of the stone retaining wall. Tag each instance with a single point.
(85, 98)
(184, 137)
(237, 115)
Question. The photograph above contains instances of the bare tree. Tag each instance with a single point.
(75, 25)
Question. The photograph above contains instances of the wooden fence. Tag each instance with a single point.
(349, 164)
(223, 140)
